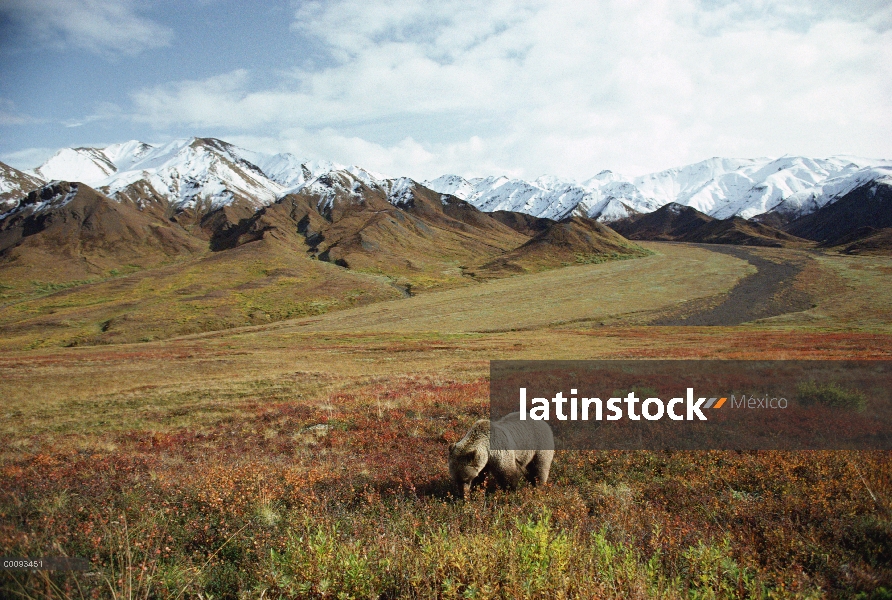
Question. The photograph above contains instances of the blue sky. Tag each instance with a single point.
(424, 88)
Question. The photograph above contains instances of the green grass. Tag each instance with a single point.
(40, 287)
(596, 259)
(219, 293)
(251, 286)
(830, 394)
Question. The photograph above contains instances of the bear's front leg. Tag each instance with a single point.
(508, 475)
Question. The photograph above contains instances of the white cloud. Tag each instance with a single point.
(561, 87)
(105, 111)
(28, 158)
(102, 26)
(405, 157)
(9, 115)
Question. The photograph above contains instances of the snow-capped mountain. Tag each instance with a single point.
(209, 173)
(829, 191)
(182, 172)
(723, 188)
(547, 197)
(719, 187)
(286, 169)
(42, 200)
(191, 172)
(187, 173)
(613, 198)
(86, 165)
(454, 185)
(15, 184)
(606, 196)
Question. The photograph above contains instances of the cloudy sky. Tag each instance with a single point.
(422, 88)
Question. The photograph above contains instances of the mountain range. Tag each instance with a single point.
(719, 187)
(194, 236)
(135, 241)
(216, 191)
(14, 185)
(202, 172)
(678, 223)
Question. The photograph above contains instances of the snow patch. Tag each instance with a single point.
(401, 192)
(87, 165)
(45, 200)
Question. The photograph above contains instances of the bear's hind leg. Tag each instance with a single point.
(538, 469)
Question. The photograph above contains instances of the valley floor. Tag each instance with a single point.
(306, 458)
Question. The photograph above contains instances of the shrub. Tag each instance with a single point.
(830, 394)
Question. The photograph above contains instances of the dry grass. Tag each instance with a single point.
(587, 293)
(852, 292)
(318, 486)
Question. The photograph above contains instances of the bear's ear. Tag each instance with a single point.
(451, 447)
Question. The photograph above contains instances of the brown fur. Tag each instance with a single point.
(471, 457)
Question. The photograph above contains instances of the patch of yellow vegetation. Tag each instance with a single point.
(673, 274)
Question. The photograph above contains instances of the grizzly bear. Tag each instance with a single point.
(471, 458)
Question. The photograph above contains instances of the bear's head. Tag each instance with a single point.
(465, 464)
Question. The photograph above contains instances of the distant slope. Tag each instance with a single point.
(64, 231)
(739, 231)
(522, 222)
(14, 185)
(256, 283)
(404, 230)
(869, 205)
(866, 240)
(576, 240)
(400, 229)
(77, 267)
(674, 222)
(80, 267)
